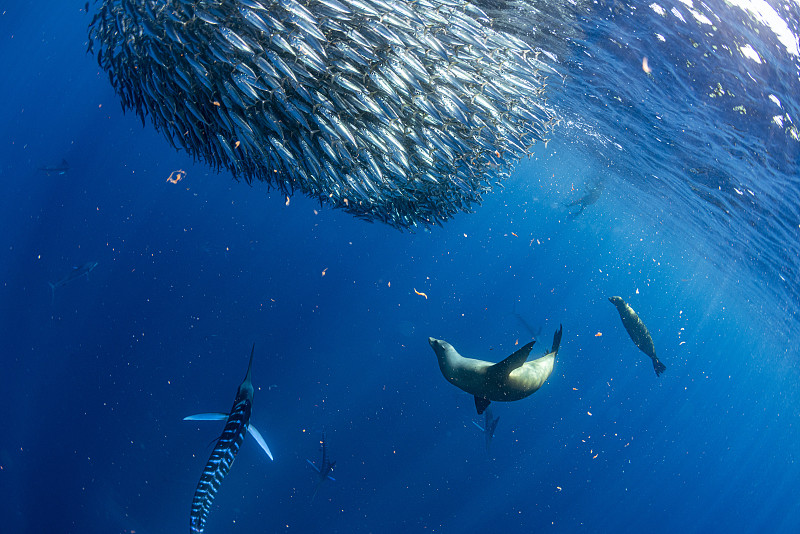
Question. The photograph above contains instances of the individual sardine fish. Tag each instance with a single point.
(237, 424)
(638, 332)
(411, 110)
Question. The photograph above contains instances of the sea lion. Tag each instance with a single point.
(638, 332)
(591, 196)
(510, 380)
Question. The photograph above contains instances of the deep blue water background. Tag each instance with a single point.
(93, 387)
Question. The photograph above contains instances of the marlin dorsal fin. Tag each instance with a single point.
(512, 362)
(248, 377)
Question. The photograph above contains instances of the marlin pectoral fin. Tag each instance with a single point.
(257, 436)
(213, 416)
(312, 465)
(512, 362)
(479, 426)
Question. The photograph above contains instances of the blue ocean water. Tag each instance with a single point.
(696, 227)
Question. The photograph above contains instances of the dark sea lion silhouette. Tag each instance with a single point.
(638, 332)
(590, 197)
(512, 379)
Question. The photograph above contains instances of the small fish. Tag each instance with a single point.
(234, 39)
(404, 112)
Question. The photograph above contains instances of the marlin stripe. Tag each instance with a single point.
(219, 463)
(225, 451)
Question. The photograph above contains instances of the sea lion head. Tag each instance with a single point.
(440, 347)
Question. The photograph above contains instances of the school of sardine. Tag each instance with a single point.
(400, 111)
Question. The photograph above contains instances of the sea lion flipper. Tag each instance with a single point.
(512, 362)
(481, 404)
(557, 339)
(658, 366)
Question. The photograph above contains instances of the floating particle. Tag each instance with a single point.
(176, 176)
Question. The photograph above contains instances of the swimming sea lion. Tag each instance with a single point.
(638, 332)
(510, 380)
(591, 196)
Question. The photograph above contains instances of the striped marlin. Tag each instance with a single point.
(61, 169)
(488, 427)
(74, 274)
(236, 425)
(325, 467)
